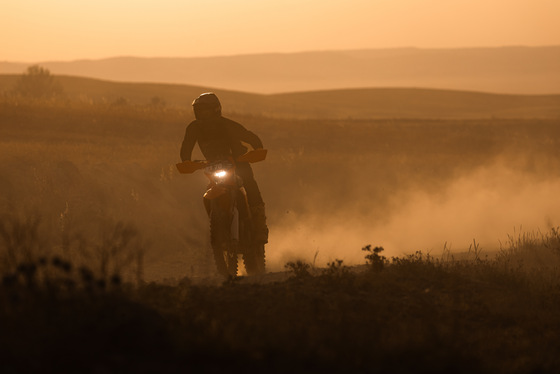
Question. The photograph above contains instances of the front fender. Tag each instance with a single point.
(214, 192)
(218, 197)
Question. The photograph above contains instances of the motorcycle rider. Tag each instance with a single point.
(219, 137)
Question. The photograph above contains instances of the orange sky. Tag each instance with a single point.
(43, 30)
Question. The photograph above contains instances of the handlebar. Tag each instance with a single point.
(189, 167)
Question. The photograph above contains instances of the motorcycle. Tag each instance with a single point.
(231, 227)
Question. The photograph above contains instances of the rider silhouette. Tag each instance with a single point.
(219, 137)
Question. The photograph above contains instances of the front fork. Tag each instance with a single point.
(225, 199)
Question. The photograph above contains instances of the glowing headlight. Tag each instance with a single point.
(220, 174)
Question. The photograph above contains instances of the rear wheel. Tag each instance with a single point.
(253, 252)
(225, 255)
(254, 259)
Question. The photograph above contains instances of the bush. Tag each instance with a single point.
(374, 258)
(300, 269)
(38, 83)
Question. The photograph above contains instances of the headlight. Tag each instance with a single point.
(220, 174)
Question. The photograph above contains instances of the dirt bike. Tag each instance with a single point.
(231, 227)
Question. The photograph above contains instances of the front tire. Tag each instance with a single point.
(225, 255)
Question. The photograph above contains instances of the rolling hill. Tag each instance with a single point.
(514, 70)
(333, 104)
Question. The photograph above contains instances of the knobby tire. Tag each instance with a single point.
(225, 256)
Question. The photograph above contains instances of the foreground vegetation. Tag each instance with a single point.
(409, 314)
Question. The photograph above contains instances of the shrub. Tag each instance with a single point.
(38, 83)
(299, 268)
(374, 259)
(336, 269)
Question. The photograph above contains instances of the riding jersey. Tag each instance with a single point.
(218, 137)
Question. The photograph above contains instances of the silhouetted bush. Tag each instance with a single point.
(374, 259)
(38, 83)
(299, 268)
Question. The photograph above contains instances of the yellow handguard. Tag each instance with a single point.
(189, 167)
(255, 155)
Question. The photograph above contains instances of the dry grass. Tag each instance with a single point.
(73, 297)
(97, 163)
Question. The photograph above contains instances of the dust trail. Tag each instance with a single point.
(486, 205)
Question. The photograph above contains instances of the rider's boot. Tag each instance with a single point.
(259, 223)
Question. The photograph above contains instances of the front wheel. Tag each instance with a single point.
(226, 262)
(225, 255)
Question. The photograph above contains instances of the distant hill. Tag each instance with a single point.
(369, 103)
(516, 70)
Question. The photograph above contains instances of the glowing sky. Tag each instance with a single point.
(41, 30)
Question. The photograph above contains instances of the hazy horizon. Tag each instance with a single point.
(272, 53)
(512, 70)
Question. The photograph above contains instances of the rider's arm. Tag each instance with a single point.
(253, 139)
(246, 136)
(188, 142)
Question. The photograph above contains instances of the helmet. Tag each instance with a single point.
(207, 105)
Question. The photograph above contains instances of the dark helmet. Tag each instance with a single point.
(207, 105)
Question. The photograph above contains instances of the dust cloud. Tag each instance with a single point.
(486, 205)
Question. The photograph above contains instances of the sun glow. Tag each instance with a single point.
(65, 30)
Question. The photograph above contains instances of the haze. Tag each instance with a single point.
(35, 31)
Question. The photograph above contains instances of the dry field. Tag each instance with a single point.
(105, 258)
(330, 186)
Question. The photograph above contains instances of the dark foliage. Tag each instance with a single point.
(413, 315)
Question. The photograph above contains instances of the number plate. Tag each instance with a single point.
(218, 166)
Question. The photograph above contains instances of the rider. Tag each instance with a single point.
(220, 137)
